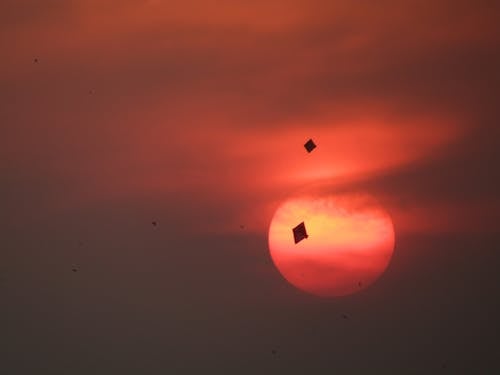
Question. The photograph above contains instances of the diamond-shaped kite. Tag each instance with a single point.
(299, 232)
(310, 145)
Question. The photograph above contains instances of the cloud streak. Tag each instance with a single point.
(144, 98)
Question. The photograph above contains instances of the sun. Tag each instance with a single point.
(347, 244)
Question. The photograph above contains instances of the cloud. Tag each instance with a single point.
(142, 98)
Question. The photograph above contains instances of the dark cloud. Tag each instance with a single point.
(27, 13)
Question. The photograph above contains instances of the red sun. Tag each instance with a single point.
(350, 241)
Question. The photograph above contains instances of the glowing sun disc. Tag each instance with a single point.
(350, 242)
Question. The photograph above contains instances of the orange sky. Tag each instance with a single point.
(156, 99)
(150, 145)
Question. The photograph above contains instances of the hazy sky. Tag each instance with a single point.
(192, 114)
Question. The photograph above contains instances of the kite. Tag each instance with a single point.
(299, 232)
(310, 145)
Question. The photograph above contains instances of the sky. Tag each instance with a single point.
(193, 114)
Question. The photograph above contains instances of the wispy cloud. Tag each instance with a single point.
(215, 100)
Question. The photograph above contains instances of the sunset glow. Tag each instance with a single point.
(350, 243)
(160, 213)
